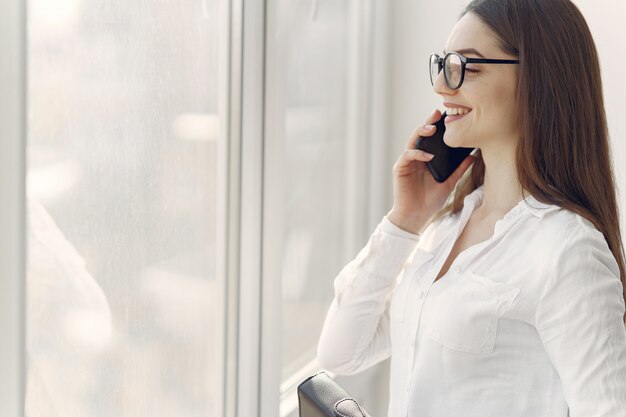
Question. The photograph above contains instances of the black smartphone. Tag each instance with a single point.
(446, 159)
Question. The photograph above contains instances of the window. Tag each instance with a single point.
(195, 176)
(306, 167)
(318, 165)
(125, 306)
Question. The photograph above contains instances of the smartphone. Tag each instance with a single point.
(447, 158)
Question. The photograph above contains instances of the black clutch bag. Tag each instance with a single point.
(320, 396)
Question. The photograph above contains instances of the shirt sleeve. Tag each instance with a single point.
(355, 334)
(580, 319)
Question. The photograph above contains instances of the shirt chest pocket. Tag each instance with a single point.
(464, 316)
(405, 291)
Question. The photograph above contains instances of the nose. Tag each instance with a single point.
(441, 87)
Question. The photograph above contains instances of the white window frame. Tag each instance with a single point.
(243, 379)
(12, 208)
(225, 220)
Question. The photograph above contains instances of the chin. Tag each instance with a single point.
(454, 141)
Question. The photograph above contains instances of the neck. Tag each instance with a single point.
(502, 190)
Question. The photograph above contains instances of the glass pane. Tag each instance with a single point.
(124, 305)
(306, 165)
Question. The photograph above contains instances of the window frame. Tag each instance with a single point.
(246, 143)
(12, 210)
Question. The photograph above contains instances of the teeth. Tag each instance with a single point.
(455, 110)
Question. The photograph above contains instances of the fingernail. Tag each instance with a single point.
(429, 155)
(429, 127)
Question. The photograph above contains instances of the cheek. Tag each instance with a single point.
(500, 107)
(494, 115)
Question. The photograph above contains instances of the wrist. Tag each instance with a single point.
(411, 224)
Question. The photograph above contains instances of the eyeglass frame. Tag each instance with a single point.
(464, 62)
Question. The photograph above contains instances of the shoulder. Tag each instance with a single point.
(575, 246)
(560, 238)
(564, 226)
(569, 229)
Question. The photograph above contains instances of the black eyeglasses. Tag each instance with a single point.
(453, 65)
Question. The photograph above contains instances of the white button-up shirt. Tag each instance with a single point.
(528, 323)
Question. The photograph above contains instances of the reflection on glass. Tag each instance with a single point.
(123, 297)
(306, 166)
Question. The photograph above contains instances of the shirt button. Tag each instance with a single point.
(458, 269)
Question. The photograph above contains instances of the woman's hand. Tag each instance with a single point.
(416, 194)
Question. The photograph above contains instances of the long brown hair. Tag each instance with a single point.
(563, 154)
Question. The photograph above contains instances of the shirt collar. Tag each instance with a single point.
(538, 208)
(530, 203)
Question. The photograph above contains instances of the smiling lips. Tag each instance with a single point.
(455, 112)
(453, 109)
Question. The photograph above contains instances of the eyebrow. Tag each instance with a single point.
(467, 51)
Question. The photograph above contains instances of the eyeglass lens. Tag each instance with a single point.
(452, 69)
(435, 67)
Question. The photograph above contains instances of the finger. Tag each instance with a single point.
(422, 131)
(411, 155)
(434, 117)
(425, 130)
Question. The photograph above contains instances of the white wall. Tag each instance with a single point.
(420, 28)
(609, 31)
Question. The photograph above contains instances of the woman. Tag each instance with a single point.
(499, 292)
